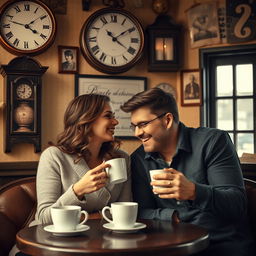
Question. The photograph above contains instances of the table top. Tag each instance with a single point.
(158, 238)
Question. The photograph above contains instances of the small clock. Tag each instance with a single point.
(168, 88)
(24, 91)
(27, 27)
(112, 40)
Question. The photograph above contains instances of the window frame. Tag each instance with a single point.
(208, 62)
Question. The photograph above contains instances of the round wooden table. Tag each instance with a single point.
(158, 238)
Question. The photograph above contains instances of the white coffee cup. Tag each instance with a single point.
(153, 172)
(117, 172)
(124, 214)
(67, 218)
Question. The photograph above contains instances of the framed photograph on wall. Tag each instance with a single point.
(203, 24)
(68, 59)
(119, 89)
(191, 91)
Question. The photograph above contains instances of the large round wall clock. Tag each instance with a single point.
(112, 40)
(27, 27)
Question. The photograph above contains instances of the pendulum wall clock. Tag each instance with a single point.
(23, 82)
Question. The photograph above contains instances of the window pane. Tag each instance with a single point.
(224, 81)
(244, 79)
(224, 118)
(244, 114)
(231, 135)
(244, 143)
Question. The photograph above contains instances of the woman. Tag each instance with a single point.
(72, 171)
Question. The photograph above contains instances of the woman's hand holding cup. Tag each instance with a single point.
(92, 181)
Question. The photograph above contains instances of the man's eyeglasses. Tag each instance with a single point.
(144, 124)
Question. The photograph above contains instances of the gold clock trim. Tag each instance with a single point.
(87, 53)
(40, 49)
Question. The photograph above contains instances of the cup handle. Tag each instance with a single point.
(86, 216)
(104, 215)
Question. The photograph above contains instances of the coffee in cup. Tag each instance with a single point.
(67, 218)
(117, 172)
(124, 214)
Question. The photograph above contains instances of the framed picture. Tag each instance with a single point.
(68, 59)
(58, 6)
(203, 24)
(190, 88)
(119, 89)
(241, 20)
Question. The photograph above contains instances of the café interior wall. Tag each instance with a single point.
(58, 89)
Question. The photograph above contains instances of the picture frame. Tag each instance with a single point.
(58, 6)
(191, 89)
(119, 89)
(203, 24)
(68, 59)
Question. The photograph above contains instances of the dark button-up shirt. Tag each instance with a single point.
(207, 157)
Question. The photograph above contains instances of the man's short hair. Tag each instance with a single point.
(157, 100)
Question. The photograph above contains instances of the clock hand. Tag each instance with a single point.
(121, 44)
(31, 22)
(124, 32)
(15, 22)
(24, 25)
(33, 30)
(109, 33)
(114, 39)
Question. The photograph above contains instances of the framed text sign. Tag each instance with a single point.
(241, 20)
(119, 89)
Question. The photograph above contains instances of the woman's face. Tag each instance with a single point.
(103, 127)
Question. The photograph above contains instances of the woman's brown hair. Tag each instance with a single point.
(81, 112)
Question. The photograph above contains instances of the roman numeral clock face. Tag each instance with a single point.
(112, 40)
(26, 26)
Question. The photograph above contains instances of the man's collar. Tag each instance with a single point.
(184, 140)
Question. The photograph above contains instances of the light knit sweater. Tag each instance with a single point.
(56, 175)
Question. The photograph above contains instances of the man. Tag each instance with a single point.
(192, 88)
(203, 182)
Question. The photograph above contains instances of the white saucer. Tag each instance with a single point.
(137, 226)
(76, 232)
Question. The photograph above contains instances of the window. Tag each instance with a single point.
(229, 82)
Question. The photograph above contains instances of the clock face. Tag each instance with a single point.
(24, 91)
(168, 88)
(26, 26)
(112, 40)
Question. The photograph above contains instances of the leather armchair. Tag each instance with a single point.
(250, 186)
(17, 210)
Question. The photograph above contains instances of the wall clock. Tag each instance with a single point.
(168, 88)
(112, 40)
(23, 82)
(27, 27)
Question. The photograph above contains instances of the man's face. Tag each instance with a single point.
(153, 135)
